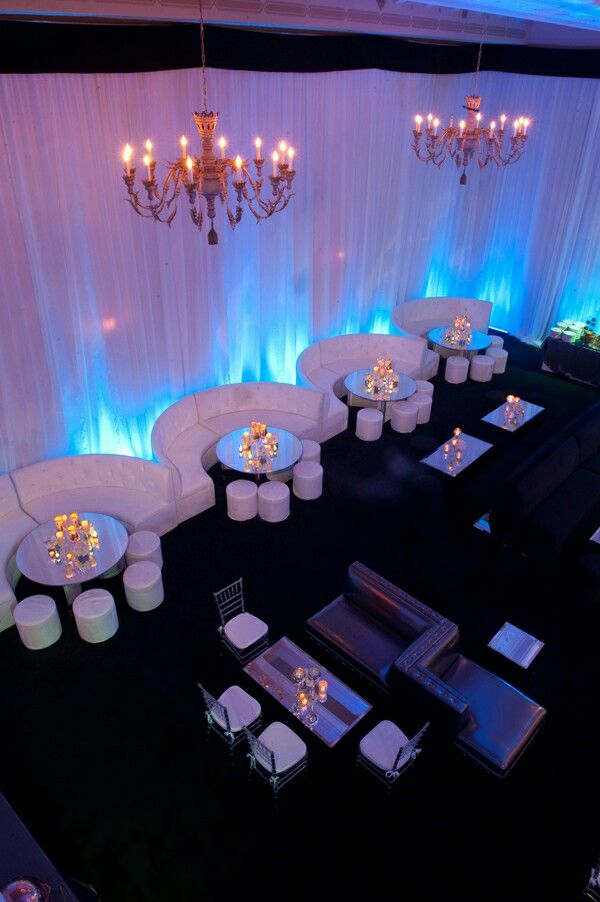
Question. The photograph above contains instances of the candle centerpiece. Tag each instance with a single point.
(383, 379)
(514, 411)
(258, 446)
(73, 544)
(453, 450)
(311, 689)
(459, 333)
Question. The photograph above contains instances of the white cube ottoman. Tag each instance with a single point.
(95, 615)
(144, 545)
(369, 424)
(37, 621)
(143, 586)
(500, 357)
(404, 416)
(242, 499)
(482, 368)
(273, 501)
(423, 402)
(311, 450)
(425, 387)
(457, 369)
(308, 479)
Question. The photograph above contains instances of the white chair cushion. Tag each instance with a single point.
(245, 629)
(287, 747)
(381, 745)
(242, 709)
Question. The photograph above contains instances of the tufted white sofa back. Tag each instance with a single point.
(85, 470)
(9, 501)
(171, 423)
(260, 396)
(422, 312)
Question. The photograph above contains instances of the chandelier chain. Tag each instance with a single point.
(203, 58)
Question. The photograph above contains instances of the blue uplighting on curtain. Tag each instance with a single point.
(108, 318)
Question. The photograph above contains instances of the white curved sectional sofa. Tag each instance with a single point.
(186, 433)
(324, 365)
(424, 314)
(137, 492)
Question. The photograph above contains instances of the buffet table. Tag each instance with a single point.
(574, 361)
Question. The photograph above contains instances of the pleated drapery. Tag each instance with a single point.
(108, 318)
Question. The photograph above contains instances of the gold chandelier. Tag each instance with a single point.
(470, 139)
(208, 177)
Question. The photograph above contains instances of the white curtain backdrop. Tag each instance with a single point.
(108, 318)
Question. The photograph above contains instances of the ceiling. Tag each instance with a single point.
(545, 23)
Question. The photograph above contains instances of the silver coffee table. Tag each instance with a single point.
(355, 383)
(498, 417)
(441, 460)
(479, 342)
(289, 453)
(34, 563)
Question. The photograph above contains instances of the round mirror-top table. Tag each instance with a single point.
(479, 342)
(355, 383)
(258, 460)
(34, 562)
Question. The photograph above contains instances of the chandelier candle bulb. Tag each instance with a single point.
(147, 162)
(183, 144)
(127, 152)
(418, 120)
(222, 145)
(190, 167)
(275, 158)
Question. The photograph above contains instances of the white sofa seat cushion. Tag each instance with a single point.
(135, 508)
(186, 451)
(13, 528)
(242, 709)
(288, 748)
(382, 744)
(244, 630)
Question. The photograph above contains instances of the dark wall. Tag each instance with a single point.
(41, 47)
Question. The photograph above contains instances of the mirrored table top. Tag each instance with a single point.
(479, 340)
(289, 452)
(500, 417)
(355, 383)
(442, 460)
(34, 562)
(341, 711)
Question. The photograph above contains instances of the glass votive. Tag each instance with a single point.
(298, 674)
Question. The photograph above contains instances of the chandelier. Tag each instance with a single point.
(470, 139)
(207, 177)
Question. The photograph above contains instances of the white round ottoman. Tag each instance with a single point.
(424, 402)
(569, 335)
(497, 342)
(482, 368)
(144, 545)
(273, 501)
(37, 621)
(242, 499)
(311, 450)
(425, 387)
(95, 615)
(404, 416)
(369, 424)
(457, 369)
(143, 585)
(308, 479)
(500, 357)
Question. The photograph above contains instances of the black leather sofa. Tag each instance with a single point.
(399, 643)
(551, 502)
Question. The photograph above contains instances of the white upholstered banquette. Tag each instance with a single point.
(325, 364)
(422, 315)
(14, 526)
(137, 492)
(186, 433)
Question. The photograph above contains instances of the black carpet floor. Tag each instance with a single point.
(107, 758)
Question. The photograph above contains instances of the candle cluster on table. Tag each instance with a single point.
(258, 446)
(383, 380)
(460, 332)
(453, 450)
(311, 690)
(470, 139)
(514, 411)
(73, 544)
(208, 176)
